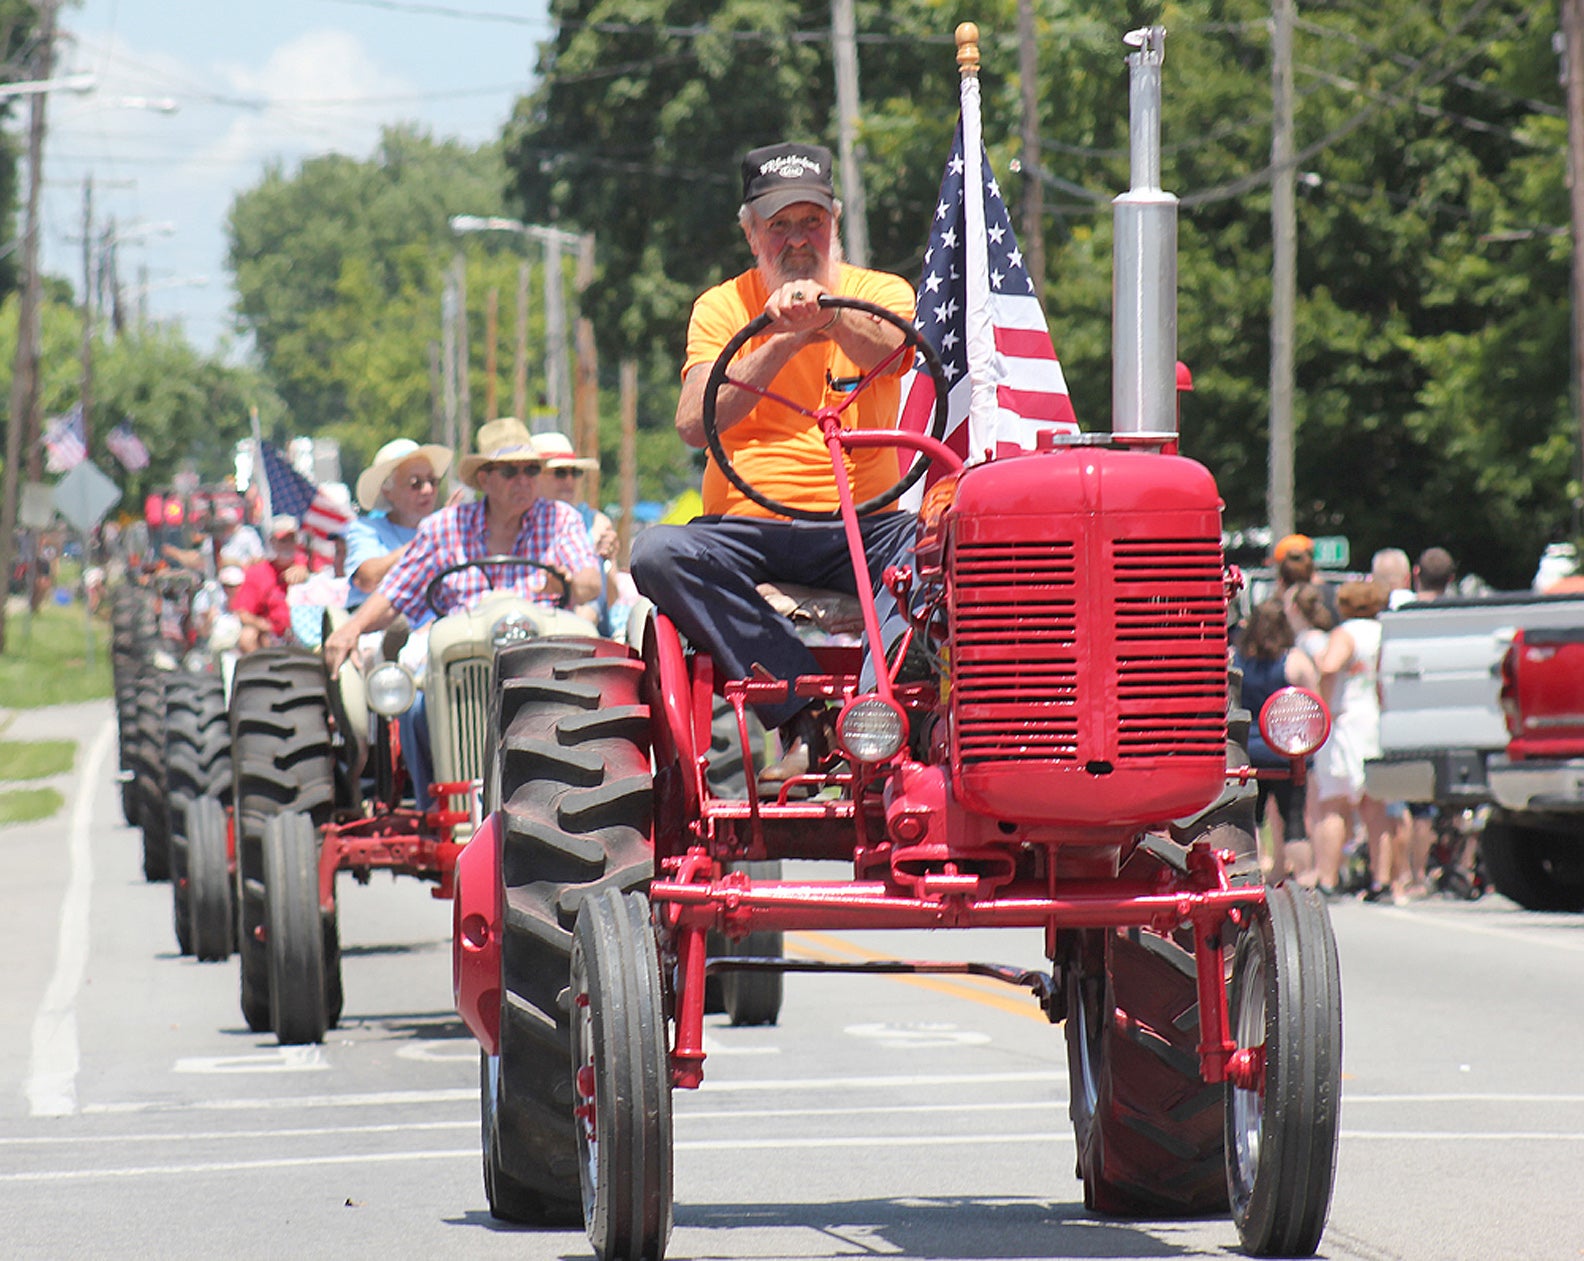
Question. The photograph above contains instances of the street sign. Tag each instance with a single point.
(84, 495)
(1331, 551)
(38, 506)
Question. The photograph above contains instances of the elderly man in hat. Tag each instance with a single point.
(704, 574)
(512, 519)
(397, 491)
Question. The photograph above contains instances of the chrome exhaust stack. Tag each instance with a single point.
(1144, 263)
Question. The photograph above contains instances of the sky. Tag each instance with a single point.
(194, 98)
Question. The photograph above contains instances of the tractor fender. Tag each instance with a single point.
(477, 922)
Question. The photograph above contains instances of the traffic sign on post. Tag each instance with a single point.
(84, 495)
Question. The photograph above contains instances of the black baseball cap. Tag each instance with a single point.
(781, 175)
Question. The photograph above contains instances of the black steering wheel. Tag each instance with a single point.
(718, 377)
(489, 565)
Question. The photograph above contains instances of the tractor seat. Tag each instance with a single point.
(815, 608)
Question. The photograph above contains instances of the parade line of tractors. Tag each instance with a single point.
(1056, 743)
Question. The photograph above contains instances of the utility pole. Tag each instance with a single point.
(464, 384)
(1033, 186)
(855, 209)
(585, 402)
(491, 332)
(85, 395)
(520, 363)
(1573, 50)
(22, 431)
(1284, 282)
(558, 368)
(627, 467)
(448, 367)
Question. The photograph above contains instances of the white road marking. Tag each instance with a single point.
(820, 1142)
(373, 1099)
(281, 1059)
(440, 1050)
(52, 1071)
(1463, 925)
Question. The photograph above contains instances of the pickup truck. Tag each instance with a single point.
(1444, 734)
(1538, 784)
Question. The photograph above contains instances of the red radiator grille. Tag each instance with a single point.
(1170, 633)
(1159, 631)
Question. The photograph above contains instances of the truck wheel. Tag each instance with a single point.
(293, 931)
(197, 762)
(210, 906)
(1281, 1140)
(571, 778)
(623, 1078)
(1149, 1128)
(1539, 870)
(150, 773)
(280, 760)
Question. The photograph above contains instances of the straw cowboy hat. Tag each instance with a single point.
(502, 441)
(371, 482)
(555, 449)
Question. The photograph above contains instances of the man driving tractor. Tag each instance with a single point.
(704, 574)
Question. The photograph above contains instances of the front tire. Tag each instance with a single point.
(294, 931)
(197, 763)
(1281, 1142)
(211, 908)
(622, 1076)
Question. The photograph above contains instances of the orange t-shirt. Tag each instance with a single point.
(774, 449)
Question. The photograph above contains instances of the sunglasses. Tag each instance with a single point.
(567, 472)
(418, 481)
(511, 472)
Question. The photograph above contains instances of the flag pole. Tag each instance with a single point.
(260, 478)
(980, 327)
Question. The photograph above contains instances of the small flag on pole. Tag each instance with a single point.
(65, 441)
(290, 492)
(127, 447)
(976, 306)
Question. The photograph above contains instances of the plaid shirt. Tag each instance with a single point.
(551, 532)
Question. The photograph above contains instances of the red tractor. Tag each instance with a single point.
(1055, 744)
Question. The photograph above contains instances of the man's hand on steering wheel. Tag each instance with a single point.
(795, 308)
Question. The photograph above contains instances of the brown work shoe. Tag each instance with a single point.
(805, 743)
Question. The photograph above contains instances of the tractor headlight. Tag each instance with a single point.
(513, 628)
(871, 729)
(1294, 722)
(391, 690)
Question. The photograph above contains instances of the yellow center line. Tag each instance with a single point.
(982, 990)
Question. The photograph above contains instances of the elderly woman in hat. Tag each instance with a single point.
(511, 519)
(397, 491)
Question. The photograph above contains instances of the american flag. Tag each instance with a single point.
(65, 441)
(290, 492)
(976, 306)
(127, 447)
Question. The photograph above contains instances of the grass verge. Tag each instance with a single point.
(28, 805)
(35, 759)
(45, 661)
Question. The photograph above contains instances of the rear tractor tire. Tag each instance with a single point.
(570, 775)
(281, 761)
(197, 763)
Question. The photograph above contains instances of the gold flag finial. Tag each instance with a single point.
(968, 48)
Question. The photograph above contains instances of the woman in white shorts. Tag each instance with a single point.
(1349, 667)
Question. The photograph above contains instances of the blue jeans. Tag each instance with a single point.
(704, 575)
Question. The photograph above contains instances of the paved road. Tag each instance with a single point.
(918, 1117)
